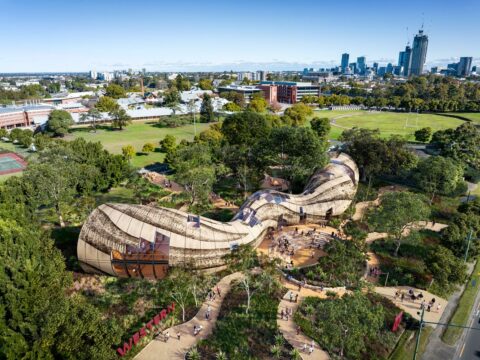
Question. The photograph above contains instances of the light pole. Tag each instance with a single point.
(469, 240)
(419, 333)
(422, 322)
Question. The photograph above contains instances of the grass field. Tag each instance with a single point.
(406, 345)
(464, 308)
(136, 134)
(475, 117)
(389, 123)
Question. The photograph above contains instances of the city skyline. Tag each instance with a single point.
(117, 35)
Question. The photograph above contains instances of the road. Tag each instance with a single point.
(469, 348)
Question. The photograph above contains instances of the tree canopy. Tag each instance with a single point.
(59, 121)
(245, 128)
(397, 213)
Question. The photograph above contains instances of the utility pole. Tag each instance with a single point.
(418, 334)
(469, 240)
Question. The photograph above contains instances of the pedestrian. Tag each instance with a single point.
(439, 307)
(281, 314)
(195, 331)
(296, 297)
(299, 286)
(286, 317)
(291, 296)
(304, 348)
(218, 291)
(178, 336)
(310, 350)
(167, 335)
(429, 307)
(402, 297)
(298, 330)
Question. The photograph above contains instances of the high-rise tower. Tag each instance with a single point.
(345, 59)
(419, 53)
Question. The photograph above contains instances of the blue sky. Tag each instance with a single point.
(78, 35)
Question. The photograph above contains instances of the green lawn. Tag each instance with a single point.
(464, 308)
(406, 345)
(136, 134)
(389, 123)
(472, 116)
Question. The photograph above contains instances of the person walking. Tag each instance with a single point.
(167, 336)
(296, 297)
(218, 291)
(281, 314)
(178, 336)
(298, 330)
(291, 296)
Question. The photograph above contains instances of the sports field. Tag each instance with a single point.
(11, 163)
(136, 134)
(389, 123)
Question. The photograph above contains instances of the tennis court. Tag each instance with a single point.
(11, 163)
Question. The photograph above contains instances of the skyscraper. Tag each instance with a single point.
(464, 67)
(405, 60)
(419, 53)
(345, 59)
(361, 66)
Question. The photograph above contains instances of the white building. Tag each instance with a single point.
(93, 74)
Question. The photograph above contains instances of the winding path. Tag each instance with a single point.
(175, 349)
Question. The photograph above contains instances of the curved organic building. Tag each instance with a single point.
(143, 241)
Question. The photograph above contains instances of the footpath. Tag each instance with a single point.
(175, 349)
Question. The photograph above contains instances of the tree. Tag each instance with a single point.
(397, 214)
(39, 320)
(181, 83)
(245, 128)
(171, 98)
(93, 115)
(212, 136)
(206, 110)
(106, 104)
(195, 171)
(344, 325)
(59, 121)
(148, 147)
(205, 84)
(298, 151)
(374, 155)
(120, 118)
(128, 152)
(460, 144)
(231, 107)
(321, 126)
(423, 135)
(438, 175)
(115, 91)
(298, 114)
(258, 103)
(3, 133)
(168, 144)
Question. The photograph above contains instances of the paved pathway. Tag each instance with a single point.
(288, 328)
(176, 349)
(413, 307)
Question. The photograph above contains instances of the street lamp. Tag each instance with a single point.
(422, 322)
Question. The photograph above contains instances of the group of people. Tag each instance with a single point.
(284, 315)
(308, 348)
(411, 296)
(291, 297)
(166, 336)
(197, 329)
